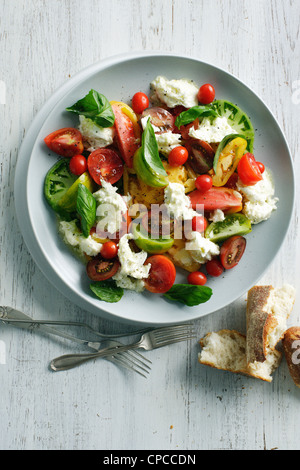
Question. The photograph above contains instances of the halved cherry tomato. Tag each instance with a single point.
(217, 198)
(126, 138)
(67, 142)
(100, 269)
(232, 250)
(162, 274)
(261, 167)
(178, 156)
(78, 165)
(197, 278)
(214, 268)
(105, 164)
(139, 102)
(206, 93)
(109, 250)
(203, 183)
(160, 118)
(199, 224)
(201, 155)
(248, 170)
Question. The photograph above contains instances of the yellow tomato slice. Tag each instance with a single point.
(228, 161)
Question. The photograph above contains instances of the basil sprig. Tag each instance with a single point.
(107, 291)
(96, 107)
(193, 113)
(189, 294)
(86, 209)
(150, 151)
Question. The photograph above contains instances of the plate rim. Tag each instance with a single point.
(31, 135)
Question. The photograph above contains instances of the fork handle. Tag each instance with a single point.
(69, 361)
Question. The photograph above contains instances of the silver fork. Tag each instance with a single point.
(13, 316)
(153, 339)
(130, 360)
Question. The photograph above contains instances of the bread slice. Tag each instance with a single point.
(267, 312)
(291, 348)
(226, 350)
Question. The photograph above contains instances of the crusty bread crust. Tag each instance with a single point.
(289, 348)
(259, 323)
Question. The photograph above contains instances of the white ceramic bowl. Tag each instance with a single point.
(119, 78)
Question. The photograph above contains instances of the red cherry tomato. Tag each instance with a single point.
(178, 156)
(206, 94)
(67, 142)
(160, 118)
(139, 102)
(162, 274)
(232, 250)
(214, 268)
(109, 250)
(105, 164)
(199, 224)
(261, 167)
(197, 278)
(78, 165)
(126, 138)
(100, 269)
(203, 183)
(248, 170)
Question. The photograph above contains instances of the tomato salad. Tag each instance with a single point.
(168, 181)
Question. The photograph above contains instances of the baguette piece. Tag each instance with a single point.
(267, 312)
(226, 350)
(291, 348)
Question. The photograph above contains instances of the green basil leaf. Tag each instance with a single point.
(107, 291)
(189, 294)
(150, 152)
(193, 113)
(96, 107)
(86, 209)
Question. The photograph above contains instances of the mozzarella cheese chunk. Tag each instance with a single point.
(167, 141)
(93, 135)
(110, 208)
(259, 198)
(217, 216)
(175, 92)
(212, 131)
(144, 121)
(133, 270)
(177, 203)
(73, 237)
(201, 249)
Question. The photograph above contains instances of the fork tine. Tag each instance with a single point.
(173, 333)
(119, 359)
(172, 341)
(136, 358)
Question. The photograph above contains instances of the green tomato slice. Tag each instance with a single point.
(68, 202)
(150, 245)
(57, 182)
(238, 120)
(233, 224)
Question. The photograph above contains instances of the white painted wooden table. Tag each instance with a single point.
(182, 405)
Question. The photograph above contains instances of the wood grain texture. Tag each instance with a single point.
(182, 405)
